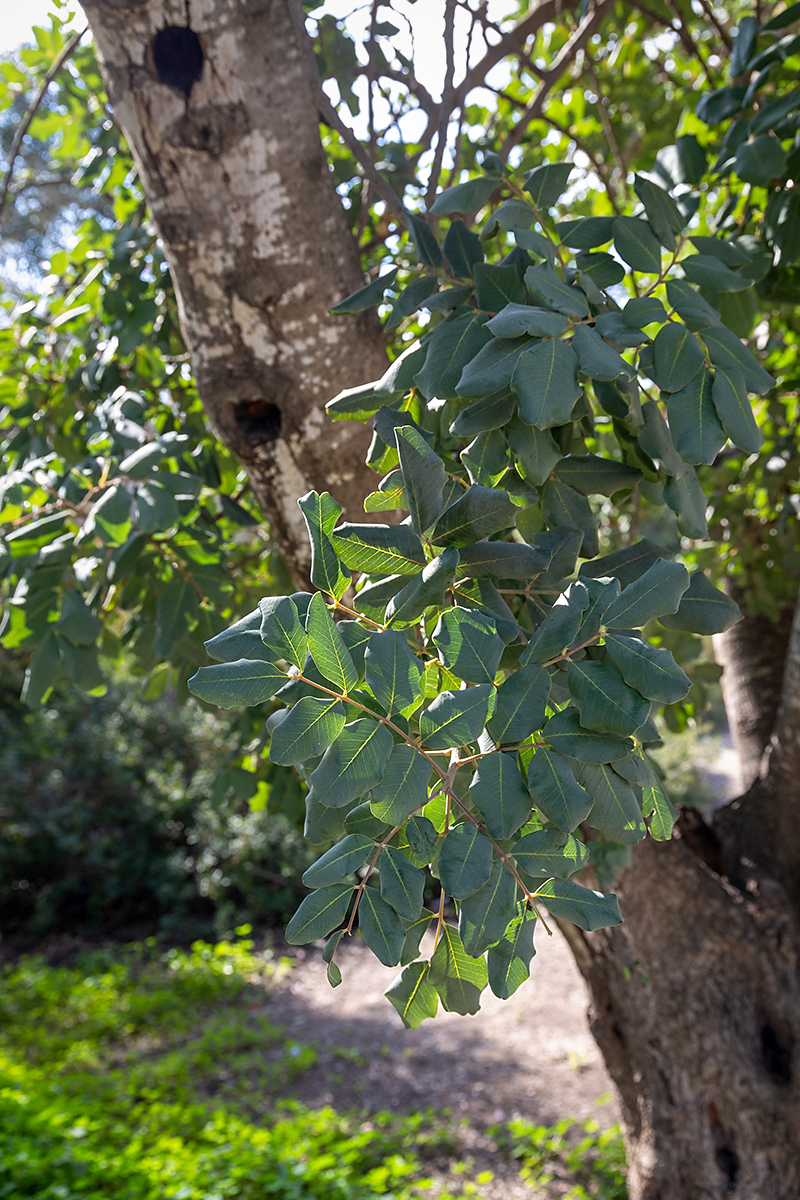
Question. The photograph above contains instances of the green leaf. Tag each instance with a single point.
(353, 763)
(546, 853)
(423, 478)
(493, 367)
(402, 884)
(246, 681)
(535, 451)
(560, 627)
(468, 644)
(546, 384)
(592, 476)
(563, 507)
(551, 292)
(307, 730)
(707, 271)
(458, 978)
(625, 565)
(520, 705)
(465, 197)
(565, 734)
(656, 592)
(428, 588)
(760, 160)
(77, 623)
(280, 629)
(509, 961)
(327, 649)
(586, 908)
(379, 549)
(515, 320)
(650, 671)
(340, 861)
(677, 358)
(655, 438)
(501, 560)
(480, 511)
(615, 811)
(425, 244)
(43, 671)
(486, 458)
(491, 412)
(556, 792)
(496, 286)
(176, 612)
(404, 786)
(545, 184)
(422, 837)
(456, 718)
(604, 700)
(485, 915)
(413, 995)
(595, 357)
(321, 512)
(81, 666)
(587, 233)
(689, 304)
(687, 500)
(452, 345)
(665, 218)
(361, 819)
(703, 609)
(462, 249)
(380, 928)
(465, 861)
(367, 297)
(319, 913)
(643, 310)
(693, 421)
(656, 805)
(392, 671)
(410, 299)
(637, 245)
(725, 351)
(734, 410)
(499, 794)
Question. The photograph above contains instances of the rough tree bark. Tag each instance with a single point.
(696, 998)
(217, 103)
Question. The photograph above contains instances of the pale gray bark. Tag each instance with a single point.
(225, 131)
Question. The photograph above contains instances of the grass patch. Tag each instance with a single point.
(136, 1076)
(591, 1158)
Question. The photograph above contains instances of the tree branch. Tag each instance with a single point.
(782, 755)
(446, 106)
(563, 60)
(510, 43)
(33, 108)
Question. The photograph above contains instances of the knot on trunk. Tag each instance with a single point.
(211, 129)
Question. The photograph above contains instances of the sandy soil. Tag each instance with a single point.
(531, 1056)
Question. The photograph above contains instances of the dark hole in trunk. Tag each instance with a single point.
(260, 420)
(177, 57)
(776, 1054)
(729, 1165)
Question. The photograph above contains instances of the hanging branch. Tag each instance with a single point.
(33, 108)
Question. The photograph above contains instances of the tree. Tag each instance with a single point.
(695, 999)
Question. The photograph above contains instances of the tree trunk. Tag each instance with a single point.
(217, 103)
(696, 997)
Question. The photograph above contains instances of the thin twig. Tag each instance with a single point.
(33, 108)
(446, 106)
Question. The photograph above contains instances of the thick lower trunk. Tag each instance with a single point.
(696, 1008)
(217, 103)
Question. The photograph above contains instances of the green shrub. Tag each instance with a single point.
(593, 1158)
(115, 812)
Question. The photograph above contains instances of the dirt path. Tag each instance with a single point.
(531, 1056)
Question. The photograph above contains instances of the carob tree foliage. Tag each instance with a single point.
(484, 707)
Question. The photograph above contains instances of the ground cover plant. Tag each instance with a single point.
(137, 1074)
